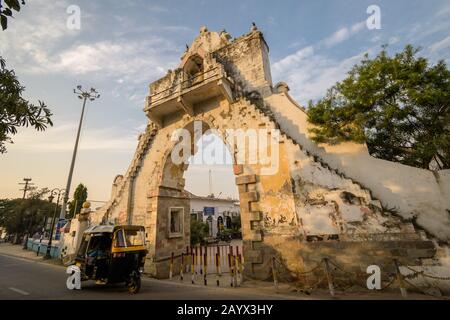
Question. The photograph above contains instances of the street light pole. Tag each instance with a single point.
(84, 95)
(27, 235)
(54, 192)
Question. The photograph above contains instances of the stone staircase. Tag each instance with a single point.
(144, 145)
(268, 116)
(407, 244)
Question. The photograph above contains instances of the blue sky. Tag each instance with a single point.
(123, 45)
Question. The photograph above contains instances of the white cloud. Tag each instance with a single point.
(310, 73)
(138, 60)
(393, 40)
(421, 31)
(437, 46)
(61, 138)
(143, 5)
(310, 79)
(286, 63)
(443, 11)
(343, 34)
(39, 25)
(40, 43)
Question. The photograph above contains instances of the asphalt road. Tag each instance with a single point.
(22, 279)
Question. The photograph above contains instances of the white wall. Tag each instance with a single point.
(221, 207)
(411, 191)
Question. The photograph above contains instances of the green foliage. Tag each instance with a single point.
(19, 216)
(79, 197)
(226, 232)
(236, 223)
(7, 12)
(399, 106)
(199, 231)
(15, 111)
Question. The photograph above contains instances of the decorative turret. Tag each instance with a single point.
(212, 66)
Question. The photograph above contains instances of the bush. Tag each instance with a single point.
(199, 231)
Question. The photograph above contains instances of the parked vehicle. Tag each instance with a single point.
(225, 236)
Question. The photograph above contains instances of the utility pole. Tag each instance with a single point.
(53, 193)
(83, 95)
(27, 186)
(210, 185)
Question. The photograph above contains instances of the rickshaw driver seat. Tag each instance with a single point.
(97, 256)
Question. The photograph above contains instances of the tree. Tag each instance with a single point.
(236, 223)
(7, 11)
(399, 106)
(15, 111)
(79, 197)
(199, 231)
(20, 216)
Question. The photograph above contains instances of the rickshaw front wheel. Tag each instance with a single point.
(134, 284)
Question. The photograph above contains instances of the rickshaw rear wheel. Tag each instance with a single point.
(134, 285)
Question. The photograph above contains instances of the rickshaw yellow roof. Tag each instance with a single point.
(110, 228)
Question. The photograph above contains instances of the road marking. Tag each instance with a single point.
(11, 265)
(19, 291)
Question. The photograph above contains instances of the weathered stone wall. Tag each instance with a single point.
(246, 61)
(415, 194)
(352, 256)
(328, 211)
(319, 203)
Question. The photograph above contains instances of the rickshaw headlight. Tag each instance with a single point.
(141, 270)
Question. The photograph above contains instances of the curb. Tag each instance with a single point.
(41, 260)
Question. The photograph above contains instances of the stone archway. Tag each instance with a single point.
(168, 192)
(293, 204)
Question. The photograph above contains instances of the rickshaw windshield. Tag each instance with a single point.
(129, 238)
(83, 246)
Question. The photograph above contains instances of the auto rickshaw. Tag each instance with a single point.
(113, 254)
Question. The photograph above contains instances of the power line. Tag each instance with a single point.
(28, 185)
(210, 185)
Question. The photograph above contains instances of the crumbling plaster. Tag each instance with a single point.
(414, 193)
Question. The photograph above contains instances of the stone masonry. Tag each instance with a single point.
(311, 208)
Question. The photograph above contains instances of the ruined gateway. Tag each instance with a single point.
(325, 201)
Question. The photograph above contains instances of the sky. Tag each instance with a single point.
(124, 45)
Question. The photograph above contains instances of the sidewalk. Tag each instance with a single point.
(16, 250)
(285, 291)
(288, 291)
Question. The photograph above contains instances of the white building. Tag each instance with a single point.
(214, 211)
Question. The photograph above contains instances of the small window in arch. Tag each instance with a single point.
(176, 222)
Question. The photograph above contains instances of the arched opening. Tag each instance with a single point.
(198, 193)
(209, 183)
(194, 69)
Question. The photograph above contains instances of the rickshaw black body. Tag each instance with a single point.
(113, 254)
